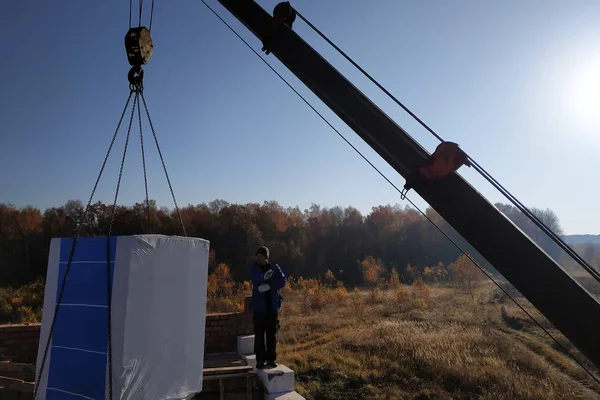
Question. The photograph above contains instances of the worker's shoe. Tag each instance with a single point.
(271, 364)
(260, 365)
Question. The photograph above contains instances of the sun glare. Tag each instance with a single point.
(583, 97)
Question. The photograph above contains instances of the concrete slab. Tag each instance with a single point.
(250, 360)
(284, 396)
(277, 380)
(245, 344)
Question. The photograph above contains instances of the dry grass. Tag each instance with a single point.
(422, 342)
(394, 341)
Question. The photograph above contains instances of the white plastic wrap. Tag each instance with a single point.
(158, 318)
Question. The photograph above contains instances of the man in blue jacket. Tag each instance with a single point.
(267, 280)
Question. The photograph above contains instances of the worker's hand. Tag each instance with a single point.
(264, 287)
(268, 274)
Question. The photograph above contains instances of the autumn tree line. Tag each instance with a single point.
(305, 243)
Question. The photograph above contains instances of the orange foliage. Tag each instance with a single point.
(329, 277)
(466, 274)
(288, 290)
(420, 293)
(394, 279)
(316, 295)
(280, 221)
(303, 240)
(340, 294)
(23, 305)
(372, 268)
(307, 284)
(223, 293)
(410, 273)
(428, 274)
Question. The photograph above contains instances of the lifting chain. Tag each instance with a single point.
(139, 48)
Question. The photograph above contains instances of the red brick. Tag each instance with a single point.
(32, 327)
(248, 304)
(20, 342)
(11, 335)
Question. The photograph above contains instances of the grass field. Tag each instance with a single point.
(457, 340)
(423, 343)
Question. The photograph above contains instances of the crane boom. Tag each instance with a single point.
(566, 304)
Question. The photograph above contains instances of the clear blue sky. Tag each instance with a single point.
(516, 83)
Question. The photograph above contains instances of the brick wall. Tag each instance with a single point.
(223, 329)
(19, 343)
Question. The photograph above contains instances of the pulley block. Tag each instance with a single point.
(138, 45)
(284, 13)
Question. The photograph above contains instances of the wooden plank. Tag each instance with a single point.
(227, 370)
(223, 360)
(227, 376)
(248, 389)
(236, 363)
(16, 384)
(225, 364)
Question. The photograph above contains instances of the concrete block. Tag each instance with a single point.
(250, 359)
(284, 396)
(276, 380)
(245, 344)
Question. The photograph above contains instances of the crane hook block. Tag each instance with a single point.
(284, 13)
(138, 44)
(446, 158)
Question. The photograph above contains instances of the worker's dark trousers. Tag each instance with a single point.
(265, 325)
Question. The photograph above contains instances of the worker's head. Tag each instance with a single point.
(262, 255)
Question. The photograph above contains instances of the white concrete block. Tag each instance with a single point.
(250, 359)
(245, 344)
(284, 396)
(277, 380)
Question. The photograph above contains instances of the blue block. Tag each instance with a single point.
(52, 394)
(86, 283)
(82, 328)
(78, 358)
(87, 249)
(81, 373)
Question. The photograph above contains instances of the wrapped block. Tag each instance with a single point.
(158, 293)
